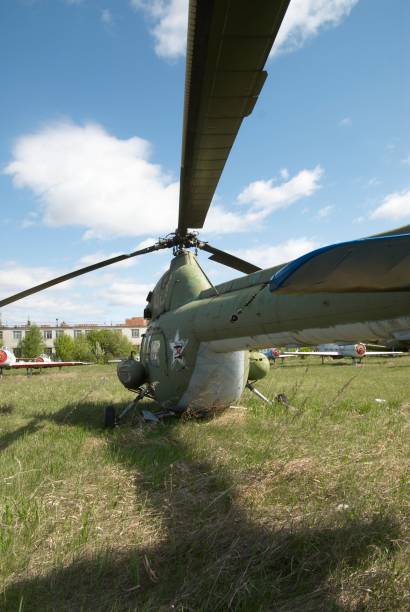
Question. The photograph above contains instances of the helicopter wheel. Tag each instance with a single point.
(110, 417)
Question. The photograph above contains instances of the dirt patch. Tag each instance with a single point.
(298, 466)
(228, 415)
(91, 444)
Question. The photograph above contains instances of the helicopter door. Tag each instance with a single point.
(158, 352)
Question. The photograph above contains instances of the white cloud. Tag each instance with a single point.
(170, 19)
(324, 212)
(106, 17)
(14, 277)
(303, 21)
(266, 197)
(92, 258)
(84, 176)
(306, 18)
(46, 307)
(263, 198)
(222, 221)
(98, 297)
(30, 220)
(266, 256)
(345, 122)
(373, 182)
(126, 293)
(406, 161)
(394, 206)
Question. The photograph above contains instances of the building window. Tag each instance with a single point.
(59, 333)
(17, 334)
(135, 333)
(1, 334)
(48, 334)
(77, 332)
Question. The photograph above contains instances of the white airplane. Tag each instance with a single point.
(9, 361)
(338, 351)
(274, 353)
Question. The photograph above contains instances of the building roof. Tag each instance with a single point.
(131, 322)
(136, 322)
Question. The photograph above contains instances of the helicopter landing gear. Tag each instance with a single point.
(281, 398)
(110, 417)
(254, 390)
(156, 417)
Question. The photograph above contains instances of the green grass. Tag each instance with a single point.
(260, 508)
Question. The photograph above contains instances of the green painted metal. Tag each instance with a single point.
(189, 313)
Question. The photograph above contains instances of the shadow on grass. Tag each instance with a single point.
(12, 436)
(212, 554)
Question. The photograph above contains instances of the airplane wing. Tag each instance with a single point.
(315, 354)
(45, 364)
(383, 353)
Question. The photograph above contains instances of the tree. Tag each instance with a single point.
(108, 344)
(32, 344)
(82, 349)
(64, 346)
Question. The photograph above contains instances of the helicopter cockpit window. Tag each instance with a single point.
(155, 349)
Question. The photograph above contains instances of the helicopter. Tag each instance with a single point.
(201, 348)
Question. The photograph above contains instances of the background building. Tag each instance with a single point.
(10, 336)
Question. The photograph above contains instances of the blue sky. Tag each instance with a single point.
(91, 114)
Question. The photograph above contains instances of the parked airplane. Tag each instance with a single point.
(9, 361)
(338, 351)
(274, 353)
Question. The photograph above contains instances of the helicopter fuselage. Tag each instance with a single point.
(197, 347)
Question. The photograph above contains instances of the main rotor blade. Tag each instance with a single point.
(228, 45)
(366, 265)
(229, 260)
(79, 272)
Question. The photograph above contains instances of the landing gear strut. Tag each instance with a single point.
(280, 398)
(111, 419)
(254, 390)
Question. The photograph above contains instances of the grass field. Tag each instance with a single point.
(260, 508)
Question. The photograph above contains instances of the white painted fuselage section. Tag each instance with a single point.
(218, 379)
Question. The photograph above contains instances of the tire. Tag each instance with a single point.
(110, 417)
